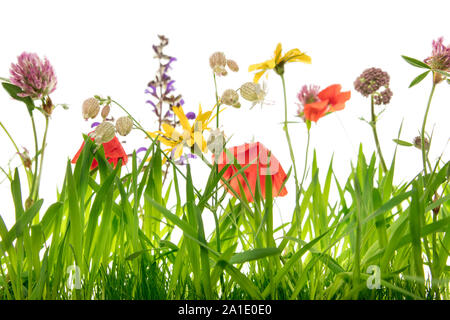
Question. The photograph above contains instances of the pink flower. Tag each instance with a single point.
(440, 56)
(35, 77)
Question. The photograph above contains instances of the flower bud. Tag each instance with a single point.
(233, 65)
(124, 125)
(105, 111)
(104, 132)
(90, 108)
(418, 143)
(231, 98)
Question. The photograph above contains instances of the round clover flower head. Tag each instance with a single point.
(440, 56)
(371, 80)
(124, 125)
(230, 98)
(90, 108)
(104, 132)
(34, 76)
(308, 94)
(384, 97)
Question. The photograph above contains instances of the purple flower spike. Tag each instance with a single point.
(190, 115)
(35, 77)
(182, 102)
(93, 125)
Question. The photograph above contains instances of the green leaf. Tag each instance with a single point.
(419, 78)
(254, 254)
(416, 63)
(14, 91)
(403, 143)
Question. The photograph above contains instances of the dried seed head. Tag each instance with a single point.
(217, 59)
(105, 111)
(90, 108)
(230, 98)
(124, 125)
(418, 143)
(233, 65)
(104, 132)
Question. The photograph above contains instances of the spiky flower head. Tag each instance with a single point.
(104, 132)
(371, 80)
(124, 125)
(33, 75)
(254, 93)
(230, 98)
(90, 108)
(307, 94)
(440, 56)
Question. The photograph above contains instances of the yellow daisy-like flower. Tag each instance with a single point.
(192, 136)
(278, 61)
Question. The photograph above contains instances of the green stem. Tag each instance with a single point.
(373, 124)
(306, 160)
(217, 101)
(422, 133)
(291, 151)
(44, 141)
(36, 149)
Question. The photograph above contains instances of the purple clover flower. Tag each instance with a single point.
(34, 76)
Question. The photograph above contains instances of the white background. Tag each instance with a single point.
(105, 47)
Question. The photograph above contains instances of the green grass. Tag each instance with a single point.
(134, 238)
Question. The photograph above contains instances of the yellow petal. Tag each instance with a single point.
(178, 110)
(200, 140)
(258, 75)
(295, 55)
(171, 132)
(278, 54)
(178, 151)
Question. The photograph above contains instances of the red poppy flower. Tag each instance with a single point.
(261, 164)
(330, 99)
(113, 152)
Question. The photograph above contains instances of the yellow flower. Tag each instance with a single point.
(191, 136)
(278, 61)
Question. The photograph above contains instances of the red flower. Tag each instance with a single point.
(113, 152)
(330, 99)
(261, 165)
